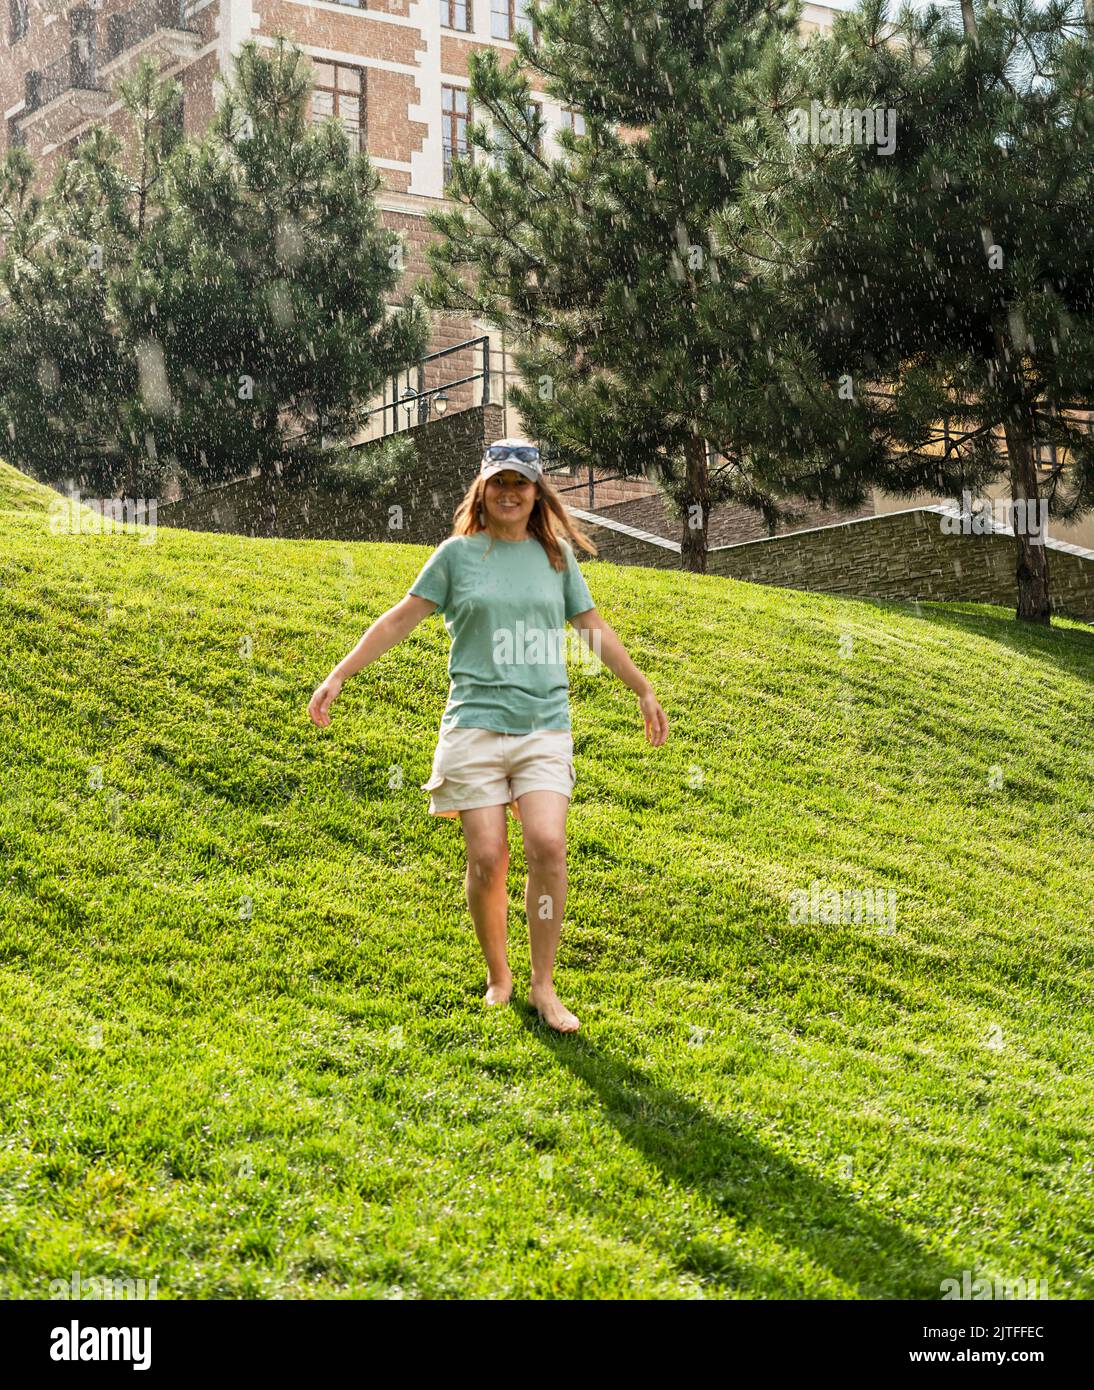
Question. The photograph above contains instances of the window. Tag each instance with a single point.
(507, 16)
(339, 92)
(19, 11)
(503, 140)
(453, 126)
(572, 119)
(15, 133)
(456, 14)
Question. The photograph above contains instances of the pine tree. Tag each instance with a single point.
(631, 334)
(264, 290)
(233, 288)
(65, 368)
(943, 292)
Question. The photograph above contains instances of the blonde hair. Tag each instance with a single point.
(549, 522)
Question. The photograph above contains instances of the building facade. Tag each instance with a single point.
(394, 72)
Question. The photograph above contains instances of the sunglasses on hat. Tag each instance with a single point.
(522, 453)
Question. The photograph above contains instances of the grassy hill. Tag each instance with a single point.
(243, 1049)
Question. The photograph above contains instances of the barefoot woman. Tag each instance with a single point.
(506, 581)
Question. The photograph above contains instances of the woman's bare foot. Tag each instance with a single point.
(546, 1003)
(500, 991)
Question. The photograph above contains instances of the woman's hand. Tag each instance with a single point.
(657, 726)
(388, 629)
(321, 701)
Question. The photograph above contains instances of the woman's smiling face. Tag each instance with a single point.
(509, 498)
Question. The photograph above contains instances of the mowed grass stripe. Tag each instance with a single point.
(244, 1048)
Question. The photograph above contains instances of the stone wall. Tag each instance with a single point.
(449, 451)
(622, 544)
(901, 555)
(729, 523)
(608, 490)
(908, 555)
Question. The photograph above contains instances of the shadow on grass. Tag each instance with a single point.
(751, 1184)
(1072, 649)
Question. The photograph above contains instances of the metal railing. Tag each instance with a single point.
(419, 404)
(126, 30)
(72, 71)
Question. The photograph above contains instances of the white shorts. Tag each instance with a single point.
(481, 767)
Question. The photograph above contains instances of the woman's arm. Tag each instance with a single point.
(602, 639)
(386, 632)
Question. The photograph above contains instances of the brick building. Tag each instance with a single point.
(393, 71)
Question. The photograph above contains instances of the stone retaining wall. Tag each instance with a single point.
(449, 450)
(900, 555)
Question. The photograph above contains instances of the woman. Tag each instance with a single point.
(506, 581)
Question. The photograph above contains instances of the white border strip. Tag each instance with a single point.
(593, 519)
(939, 509)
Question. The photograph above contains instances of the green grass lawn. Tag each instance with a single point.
(243, 1046)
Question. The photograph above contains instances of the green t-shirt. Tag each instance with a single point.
(505, 609)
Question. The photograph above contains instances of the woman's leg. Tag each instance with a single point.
(543, 822)
(486, 836)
